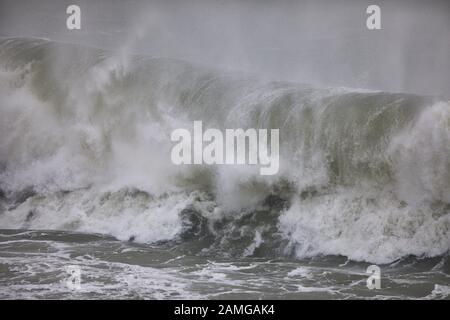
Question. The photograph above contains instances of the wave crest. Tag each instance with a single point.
(363, 174)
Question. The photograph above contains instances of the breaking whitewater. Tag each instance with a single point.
(86, 179)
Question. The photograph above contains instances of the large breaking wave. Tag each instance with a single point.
(85, 145)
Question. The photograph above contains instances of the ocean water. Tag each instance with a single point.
(34, 266)
(86, 180)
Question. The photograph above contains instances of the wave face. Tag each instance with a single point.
(85, 146)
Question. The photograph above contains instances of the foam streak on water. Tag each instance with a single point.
(33, 266)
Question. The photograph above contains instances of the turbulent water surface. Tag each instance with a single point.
(86, 179)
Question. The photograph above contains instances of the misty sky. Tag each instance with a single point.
(320, 42)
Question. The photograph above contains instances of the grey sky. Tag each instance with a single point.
(318, 42)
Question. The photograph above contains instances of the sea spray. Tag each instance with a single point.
(362, 174)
